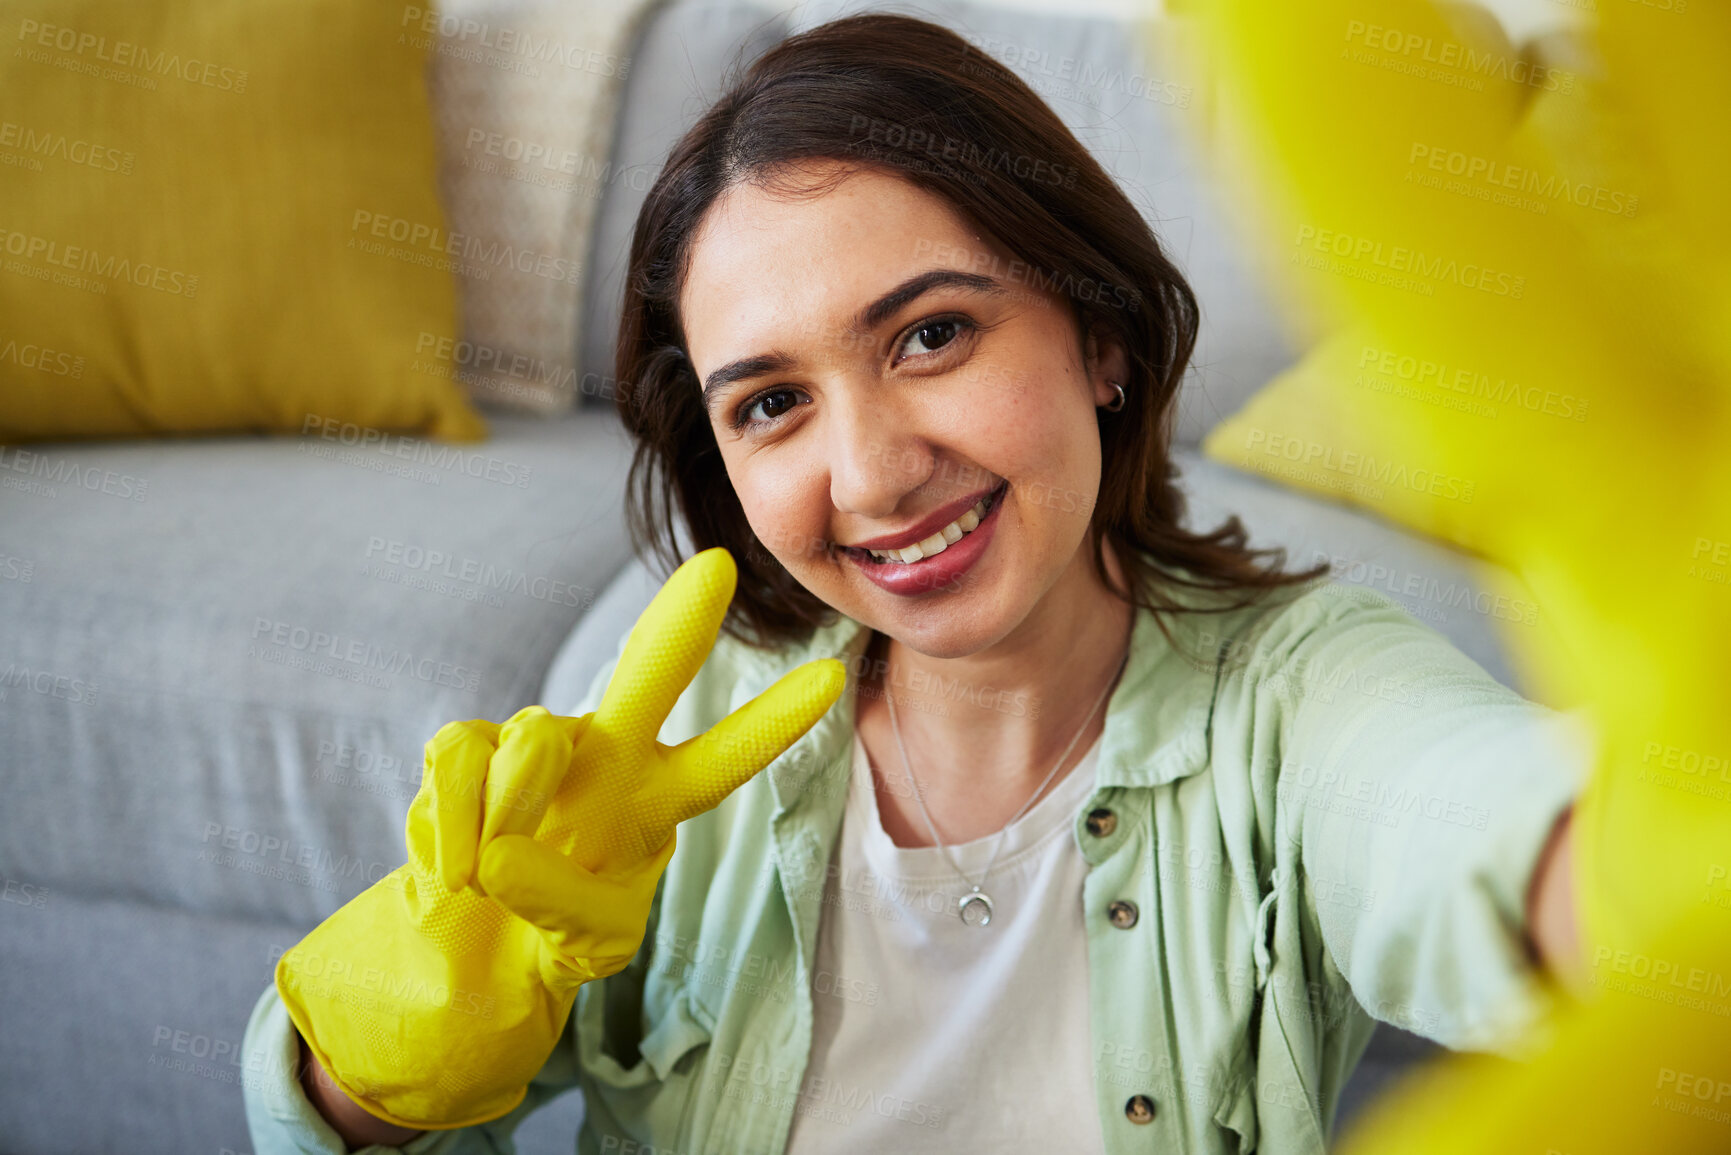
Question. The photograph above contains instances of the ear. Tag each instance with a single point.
(1105, 361)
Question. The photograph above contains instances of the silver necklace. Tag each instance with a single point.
(975, 907)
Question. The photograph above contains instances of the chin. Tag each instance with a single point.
(948, 643)
(945, 623)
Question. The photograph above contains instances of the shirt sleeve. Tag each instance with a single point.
(1421, 792)
(283, 1122)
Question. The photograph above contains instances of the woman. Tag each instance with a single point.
(1119, 838)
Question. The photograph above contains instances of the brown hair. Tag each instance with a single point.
(920, 101)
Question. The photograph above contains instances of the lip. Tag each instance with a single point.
(930, 574)
(928, 525)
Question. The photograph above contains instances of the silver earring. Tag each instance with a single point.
(1117, 402)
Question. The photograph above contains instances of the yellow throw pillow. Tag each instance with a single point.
(220, 216)
(1318, 427)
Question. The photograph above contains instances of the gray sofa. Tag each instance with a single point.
(216, 677)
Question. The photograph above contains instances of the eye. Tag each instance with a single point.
(929, 336)
(772, 402)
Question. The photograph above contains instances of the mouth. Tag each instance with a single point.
(937, 560)
(937, 541)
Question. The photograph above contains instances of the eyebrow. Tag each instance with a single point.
(868, 318)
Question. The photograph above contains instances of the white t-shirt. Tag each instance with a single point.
(930, 1035)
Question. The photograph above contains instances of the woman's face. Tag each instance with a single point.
(878, 373)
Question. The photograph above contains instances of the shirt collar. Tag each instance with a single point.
(1157, 720)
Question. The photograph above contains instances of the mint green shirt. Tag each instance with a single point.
(1320, 814)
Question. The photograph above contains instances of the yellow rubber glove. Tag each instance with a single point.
(1618, 523)
(534, 852)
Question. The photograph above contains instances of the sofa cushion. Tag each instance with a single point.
(142, 1052)
(225, 656)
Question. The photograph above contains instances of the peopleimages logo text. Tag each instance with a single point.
(447, 457)
(125, 54)
(363, 654)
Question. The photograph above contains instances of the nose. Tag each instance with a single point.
(876, 457)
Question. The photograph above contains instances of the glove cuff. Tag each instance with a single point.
(422, 1033)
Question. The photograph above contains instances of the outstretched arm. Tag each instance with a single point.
(1552, 929)
(1405, 768)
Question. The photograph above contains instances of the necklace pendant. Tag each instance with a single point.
(975, 908)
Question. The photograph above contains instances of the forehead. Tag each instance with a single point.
(772, 267)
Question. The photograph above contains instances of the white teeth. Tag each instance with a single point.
(939, 541)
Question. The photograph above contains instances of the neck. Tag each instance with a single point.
(983, 731)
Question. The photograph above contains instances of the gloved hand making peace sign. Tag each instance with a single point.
(534, 852)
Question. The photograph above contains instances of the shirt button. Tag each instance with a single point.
(1139, 1109)
(1102, 822)
(1123, 914)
